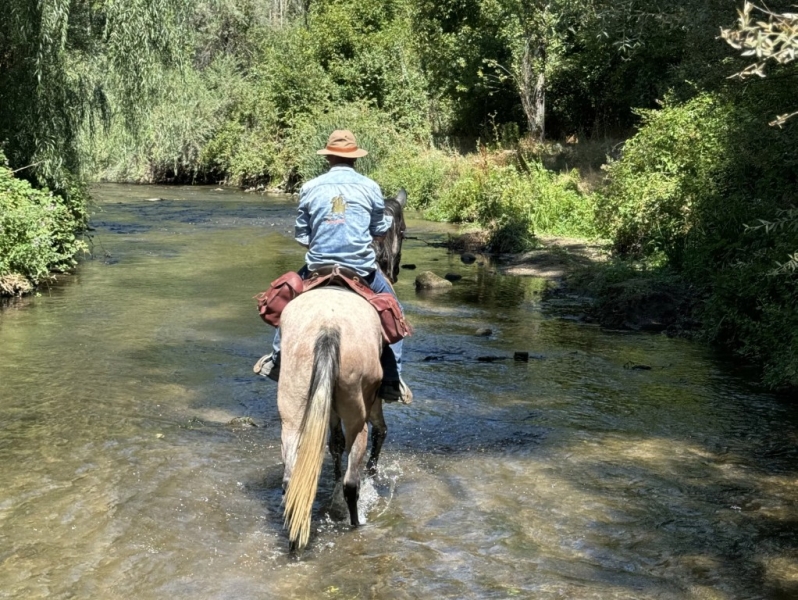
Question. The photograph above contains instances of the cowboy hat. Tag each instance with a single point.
(342, 143)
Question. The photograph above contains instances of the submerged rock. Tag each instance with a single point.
(468, 258)
(453, 276)
(484, 331)
(430, 281)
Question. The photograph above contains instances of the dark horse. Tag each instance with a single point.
(330, 374)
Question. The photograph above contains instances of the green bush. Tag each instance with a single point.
(424, 172)
(515, 204)
(692, 193)
(676, 159)
(37, 229)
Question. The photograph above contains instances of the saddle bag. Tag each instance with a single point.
(394, 326)
(287, 287)
(281, 291)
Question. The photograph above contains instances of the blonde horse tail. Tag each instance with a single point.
(312, 437)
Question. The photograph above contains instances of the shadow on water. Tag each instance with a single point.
(135, 434)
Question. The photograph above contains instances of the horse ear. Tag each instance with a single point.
(401, 197)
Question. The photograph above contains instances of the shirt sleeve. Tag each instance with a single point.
(302, 227)
(380, 222)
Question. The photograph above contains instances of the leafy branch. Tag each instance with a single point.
(774, 39)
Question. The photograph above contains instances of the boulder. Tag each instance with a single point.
(430, 281)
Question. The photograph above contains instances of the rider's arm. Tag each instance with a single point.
(302, 227)
(380, 222)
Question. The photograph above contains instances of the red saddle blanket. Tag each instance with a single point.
(287, 287)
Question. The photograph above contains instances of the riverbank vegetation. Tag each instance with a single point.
(616, 120)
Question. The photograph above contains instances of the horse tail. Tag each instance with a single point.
(312, 436)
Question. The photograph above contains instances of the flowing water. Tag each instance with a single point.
(139, 455)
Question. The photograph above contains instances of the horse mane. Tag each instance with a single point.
(384, 247)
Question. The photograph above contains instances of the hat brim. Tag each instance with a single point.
(359, 153)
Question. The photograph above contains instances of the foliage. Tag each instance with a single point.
(423, 172)
(169, 144)
(708, 189)
(57, 58)
(37, 229)
(773, 40)
(648, 206)
(516, 203)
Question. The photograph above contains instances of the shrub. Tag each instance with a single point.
(37, 230)
(692, 192)
(424, 172)
(515, 204)
(670, 165)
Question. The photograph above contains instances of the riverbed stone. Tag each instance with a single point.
(468, 258)
(484, 331)
(430, 281)
(453, 276)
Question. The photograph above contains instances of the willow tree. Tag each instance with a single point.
(57, 59)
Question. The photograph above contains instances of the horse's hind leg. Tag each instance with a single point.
(379, 431)
(337, 445)
(357, 442)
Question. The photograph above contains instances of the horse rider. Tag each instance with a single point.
(340, 213)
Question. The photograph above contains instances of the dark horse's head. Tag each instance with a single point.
(389, 248)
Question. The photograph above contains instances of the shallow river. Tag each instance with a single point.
(139, 455)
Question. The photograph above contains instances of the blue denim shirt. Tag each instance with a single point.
(339, 212)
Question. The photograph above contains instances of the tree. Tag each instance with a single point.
(532, 35)
(57, 61)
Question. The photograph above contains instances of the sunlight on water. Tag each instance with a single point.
(140, 457)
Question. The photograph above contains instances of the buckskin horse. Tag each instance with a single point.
(330, 375)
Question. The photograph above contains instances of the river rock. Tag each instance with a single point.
(453, 276)
(409, 266)
(430, 281)
(468, 258)
(490, 358)
(484, 331)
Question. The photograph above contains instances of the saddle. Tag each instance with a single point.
(285, 288)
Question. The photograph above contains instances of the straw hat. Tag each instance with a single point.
(342, 143)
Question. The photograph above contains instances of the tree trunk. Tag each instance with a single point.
(531, 81)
